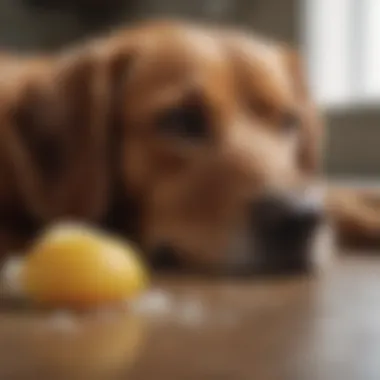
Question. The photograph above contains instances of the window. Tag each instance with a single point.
(342, 46)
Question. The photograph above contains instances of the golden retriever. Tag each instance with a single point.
(195, 138)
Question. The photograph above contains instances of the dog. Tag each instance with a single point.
(196, 140)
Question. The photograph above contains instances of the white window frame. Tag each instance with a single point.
(339, 63)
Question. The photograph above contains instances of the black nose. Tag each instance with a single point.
(291, 212)
(283, 230)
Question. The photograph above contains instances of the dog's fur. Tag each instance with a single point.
(88, 134)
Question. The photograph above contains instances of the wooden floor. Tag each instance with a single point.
(325, 328)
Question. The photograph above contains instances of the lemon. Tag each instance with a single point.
(78, 266)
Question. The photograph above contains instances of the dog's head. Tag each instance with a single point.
(222, 148)
(218, 141)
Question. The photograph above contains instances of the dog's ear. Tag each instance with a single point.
(312, 133)
(61, 130)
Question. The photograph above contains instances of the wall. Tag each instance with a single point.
(24, 29)
(353, 145)
(27, 29)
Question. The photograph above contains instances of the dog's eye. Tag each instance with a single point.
(188, 122)
(290, 122)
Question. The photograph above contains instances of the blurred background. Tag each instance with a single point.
(340, 40)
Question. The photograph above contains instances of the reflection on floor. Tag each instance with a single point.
(325, 328)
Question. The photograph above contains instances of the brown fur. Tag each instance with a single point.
(93, 110)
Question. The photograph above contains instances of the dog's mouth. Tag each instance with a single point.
(281, 238)
(285, 246)
(272, 248)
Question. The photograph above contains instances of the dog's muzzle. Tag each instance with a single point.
(286, 234)
(283, 231)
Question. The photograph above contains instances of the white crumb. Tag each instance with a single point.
(154, 303)
(10, 277)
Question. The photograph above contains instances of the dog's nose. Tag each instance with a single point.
(289, 211)
(283, 229)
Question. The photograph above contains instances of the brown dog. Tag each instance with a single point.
(198, 139)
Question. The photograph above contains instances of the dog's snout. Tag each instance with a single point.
(284, 228)
(286, 211)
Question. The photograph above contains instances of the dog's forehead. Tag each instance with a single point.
(263, 57)
(177, 60)
(181, 50)
(181, 56)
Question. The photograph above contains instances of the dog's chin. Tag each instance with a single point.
(265, 247)
(252, 254)
(258, 254)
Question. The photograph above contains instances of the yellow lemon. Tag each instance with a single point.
(77, 266)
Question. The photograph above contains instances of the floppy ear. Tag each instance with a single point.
(312, 135)
(60, 134)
